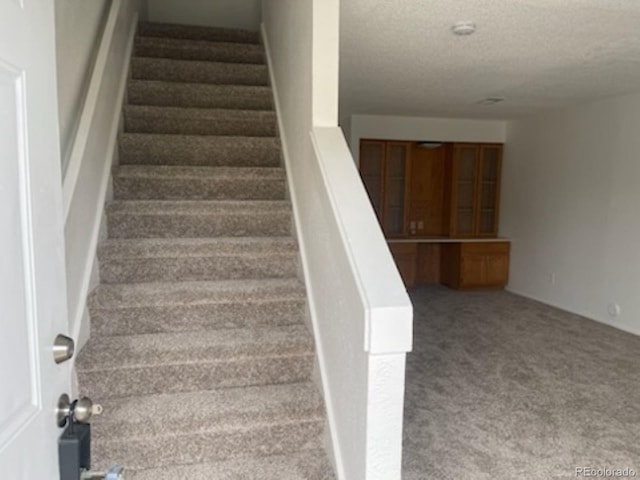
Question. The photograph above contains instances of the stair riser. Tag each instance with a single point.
(131, 225)
(198, 72)
(176, 150)
(198, 126)
(198, 33)
(202, 447)
(131, 270)
(146, 47)
(307, 465)
(190, 318)
(131, 188)
(240, 372)
(198, 96)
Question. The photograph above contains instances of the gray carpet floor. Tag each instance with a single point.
(502, 387)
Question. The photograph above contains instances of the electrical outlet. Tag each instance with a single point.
(420, 225)
(552, 278)
(614, 310)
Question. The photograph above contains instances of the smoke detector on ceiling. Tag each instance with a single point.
(463, 28)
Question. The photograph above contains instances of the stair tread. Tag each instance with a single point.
(195, 140)
(170, 30)
(199, 120)
(199, 172)
(196, 293)
(176, 62)
(158, 92)
(219, 409)
(183, 141)
(203, 347)
(308, 465)
(200, 150)
(154, 40)
(193, 49)
(175, 182)
(226, 139)
(195, 247)
(199, 71)
(197, 207)
(200, 113)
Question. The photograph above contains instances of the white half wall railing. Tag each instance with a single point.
(93, 153)
(360, 313)
(363, 321)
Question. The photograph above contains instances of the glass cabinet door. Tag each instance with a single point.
(489, 191)
(466, 167)
(371, 169)
(395, 187)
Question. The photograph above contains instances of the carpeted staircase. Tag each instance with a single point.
(198, 350)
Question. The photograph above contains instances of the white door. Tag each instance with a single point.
(32, 268)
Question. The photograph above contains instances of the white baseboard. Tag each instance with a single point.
(334, 446)
(564, 308)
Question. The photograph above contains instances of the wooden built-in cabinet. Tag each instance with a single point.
(475, 265)
(473, 177)
(427, 191)
(384, 170)
(405, 255)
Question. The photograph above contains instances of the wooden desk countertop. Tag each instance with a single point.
(447, 240)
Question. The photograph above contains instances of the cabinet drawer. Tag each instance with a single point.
(485, 248)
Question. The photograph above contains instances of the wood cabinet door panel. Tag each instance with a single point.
(428, 263)
(473, 270)
(395, 188)
(488, 190)
(405, 257)
(426, 191)
(497, 270)
(464, 189)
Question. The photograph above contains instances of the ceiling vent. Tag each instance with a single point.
(429, 145)
(491, 101)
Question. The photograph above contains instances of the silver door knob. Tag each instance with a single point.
(82, 410)
(63, 348)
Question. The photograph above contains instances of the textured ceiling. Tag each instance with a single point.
(400, 57)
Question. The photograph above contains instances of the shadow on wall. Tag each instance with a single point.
(246, 14)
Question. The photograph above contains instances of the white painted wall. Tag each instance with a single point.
(361, 314)
(86, 180)
(214, 13)
(391, 127)
(570, 204)
(79, 25)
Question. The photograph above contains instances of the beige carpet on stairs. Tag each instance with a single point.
(199, 351)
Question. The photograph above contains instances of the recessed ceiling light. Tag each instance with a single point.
(463, 28)
(491, 101)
